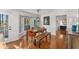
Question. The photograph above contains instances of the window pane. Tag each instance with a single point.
(0, 20)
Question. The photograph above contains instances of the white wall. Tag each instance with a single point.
(14, 23)
(52, 27)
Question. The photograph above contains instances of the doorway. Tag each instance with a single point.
(61, 33)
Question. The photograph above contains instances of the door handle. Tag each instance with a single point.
(10, 28)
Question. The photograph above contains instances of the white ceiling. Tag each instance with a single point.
(43, 11)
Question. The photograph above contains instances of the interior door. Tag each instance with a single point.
(13, 27)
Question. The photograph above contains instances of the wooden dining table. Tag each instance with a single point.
(40, 37)
(34, 32)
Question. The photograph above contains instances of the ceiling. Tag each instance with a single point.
(38, 11)
(43, 11)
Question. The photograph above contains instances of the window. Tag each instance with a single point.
(0, 20)
(4, 24)
(24, 22)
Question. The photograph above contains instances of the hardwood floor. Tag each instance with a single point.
(22, 44)
(54, 43)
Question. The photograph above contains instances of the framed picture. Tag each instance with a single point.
(46, 20)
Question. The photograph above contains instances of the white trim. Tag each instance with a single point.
(22, 34)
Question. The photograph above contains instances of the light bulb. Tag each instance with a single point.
(61, 36)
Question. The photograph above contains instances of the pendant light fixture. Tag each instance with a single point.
(38, 18)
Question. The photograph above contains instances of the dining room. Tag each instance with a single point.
(39, 28)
